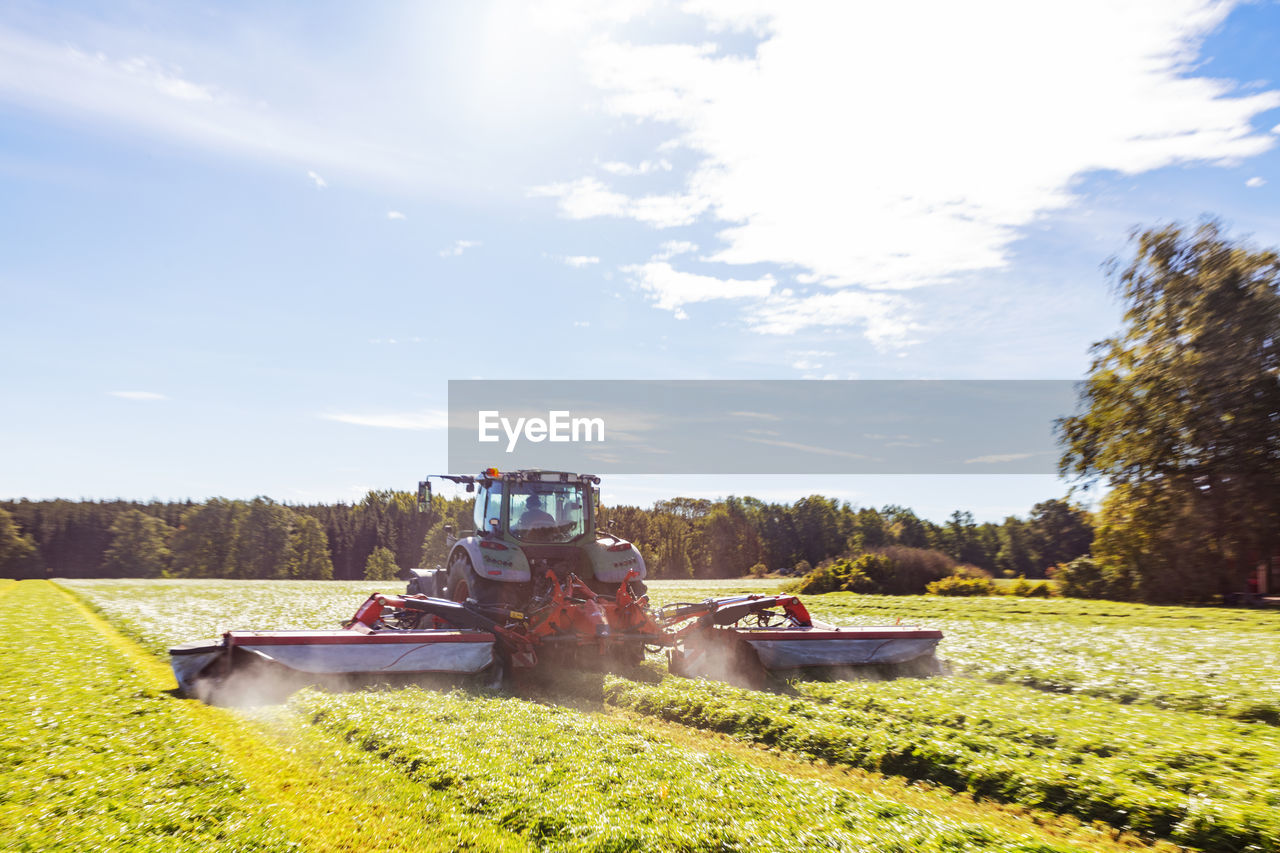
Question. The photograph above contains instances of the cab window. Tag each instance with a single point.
(545, 512)
(489, 508)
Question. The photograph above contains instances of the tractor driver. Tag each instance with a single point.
(534, 515)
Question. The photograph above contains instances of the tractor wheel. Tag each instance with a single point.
(464, 583)
(462, 578)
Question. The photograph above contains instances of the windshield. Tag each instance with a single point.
(546, 512)
(488, 510)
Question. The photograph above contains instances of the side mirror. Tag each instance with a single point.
(493, 524)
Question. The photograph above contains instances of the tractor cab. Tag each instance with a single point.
(527, 523)
(529, 509)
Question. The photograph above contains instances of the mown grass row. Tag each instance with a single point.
(1196, 780)
(99, 755)
(571, 781)
(91, 758)
(161, 613)
(1208, 660)
(644, 816)
(1217, 661)
(1214, 661)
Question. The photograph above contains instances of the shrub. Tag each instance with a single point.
(759, 570)
(867, 573)
(959, 584)
(890, 571)
(913, 569)
(381, 565)
(1085, 577)
(831, 576)
(1024, 588)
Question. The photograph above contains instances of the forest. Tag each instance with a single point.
(383, 532)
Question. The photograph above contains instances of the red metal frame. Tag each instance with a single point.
(577, 614)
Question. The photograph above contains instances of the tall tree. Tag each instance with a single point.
(310, 549)
(139, 546)
(16, 548)
(1015, 555)
(263, 545)
(1182, 414)
(202, 545)
(1059, 533)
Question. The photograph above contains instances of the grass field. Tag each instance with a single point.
(1068, 726)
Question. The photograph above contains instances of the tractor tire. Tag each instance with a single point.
(462, 583)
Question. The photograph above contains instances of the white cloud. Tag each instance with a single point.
(581, 324)
(885, 317)
(807, 448)
(587, 198)
(403, 420)
(458, 248)
(672, 289)
(994, 458)
(865, 150)
(1255, 182)
(138, 395)
(584, 198)
(320, 182)
(669, 210)
(644, 167)
(397, 215)
(98, 75)
(671, 248)
(810, 359)
(579, 260)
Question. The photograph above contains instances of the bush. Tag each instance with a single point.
(913, 569)
(759, 570)
(1024, 588)
(844, 575)
(891, 571)
(381, 565)
(1085, 577)
(1040, 590)
(960, 584)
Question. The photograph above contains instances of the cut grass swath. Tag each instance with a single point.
(98, 755)
(1192, 779)
(90, 756)
(570, 781)
(1208, 660)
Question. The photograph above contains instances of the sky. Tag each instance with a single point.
(244, 246)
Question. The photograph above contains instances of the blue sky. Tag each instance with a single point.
(245, 245)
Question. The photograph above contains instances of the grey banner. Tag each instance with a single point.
(758, 427)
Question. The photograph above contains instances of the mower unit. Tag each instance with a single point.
(530, 586)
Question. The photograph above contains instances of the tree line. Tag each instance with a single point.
(222, 538)
(681, 537)
(690, 537)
